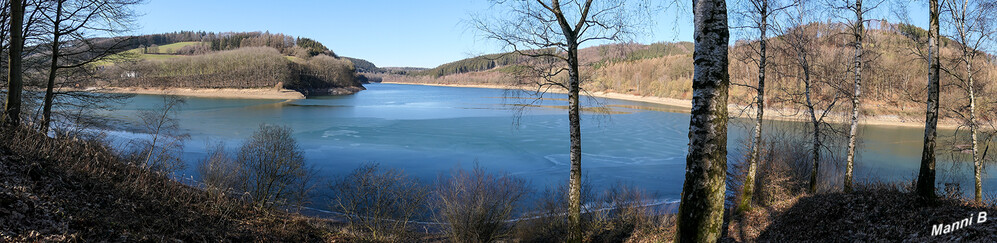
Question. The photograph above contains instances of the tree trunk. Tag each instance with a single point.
(12, 109)
(853, 132)
(701, 208)
(926, 175)
(574, 118)
(50, 87)
(977, 161)
(756, 151)
(815, 149)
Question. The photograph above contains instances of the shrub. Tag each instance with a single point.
(620, 214)
(219, 172)
(272, 163)
(378, 204)
(476, 206)
(783, 169)
(548, 219)
(161, 153)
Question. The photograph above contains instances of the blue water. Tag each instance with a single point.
(426, 131)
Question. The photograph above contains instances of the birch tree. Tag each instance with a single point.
(972, 26)
(801, 51)
(701, 208)
(926, 174)
(756, 15)
(550, 32)
(858, 31)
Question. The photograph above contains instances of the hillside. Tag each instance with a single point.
(71, 189)
(244, 60)
(894, 80)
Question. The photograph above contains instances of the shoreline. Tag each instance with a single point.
(223, 93)
(893, 121)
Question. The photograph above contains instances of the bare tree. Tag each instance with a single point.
(15, 81)
(972, 27)
(551, 32)
(801, 42)
(756, 15)
(161, 152)
(21, 27)
(77, 20)
(858, 32)
(476, 205)
(926, 175)
(701, 208)
(272, 163)
(856, 25)
(219, 172)
(379, 202)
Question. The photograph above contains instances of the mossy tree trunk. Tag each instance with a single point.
(761, 8)
(701, 210)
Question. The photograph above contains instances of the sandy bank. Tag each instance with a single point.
(734, 110)
(283, 94)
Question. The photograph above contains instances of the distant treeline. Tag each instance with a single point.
(894, 75)
(285, 44)
(364, 66)
(475, 64)
(597, 56)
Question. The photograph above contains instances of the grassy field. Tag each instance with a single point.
(165, 51)
(137, 53)
(172, 48)
(295, 59)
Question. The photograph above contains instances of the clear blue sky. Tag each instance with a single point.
(389, 33)
(386, 32)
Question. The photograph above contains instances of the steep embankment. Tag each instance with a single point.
(77, 190)
(260, 64)
(875, 214)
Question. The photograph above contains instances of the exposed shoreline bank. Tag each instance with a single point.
(226, 93)
(772, 114)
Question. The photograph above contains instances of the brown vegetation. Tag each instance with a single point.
(77, 189)
(621, 213)
(377, 203)
(251, 67)
(894, 78)
(273, 165)
(476, 206)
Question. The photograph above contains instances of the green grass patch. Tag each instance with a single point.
(165, 52)
(295, 59)
(172, 48)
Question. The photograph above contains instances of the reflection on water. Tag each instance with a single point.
(604, 110)
(648, 107)
(429, 130)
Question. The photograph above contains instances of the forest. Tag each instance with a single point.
(231, 60)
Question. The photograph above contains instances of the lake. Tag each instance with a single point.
(429, 130)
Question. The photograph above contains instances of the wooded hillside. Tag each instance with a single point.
(232, 60)
(895, 77)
